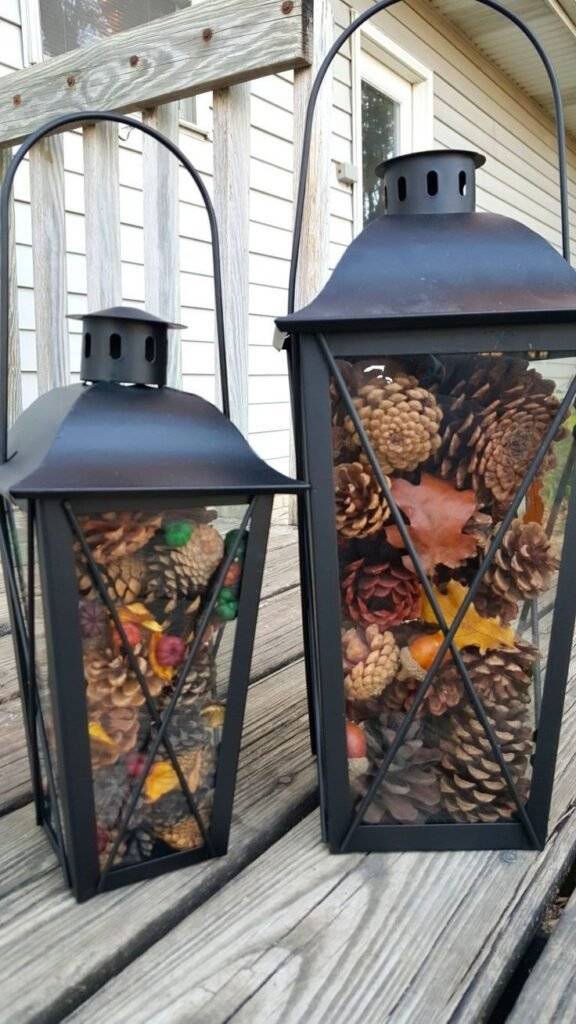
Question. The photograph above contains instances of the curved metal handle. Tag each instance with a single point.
(376, 8)
(78, 119)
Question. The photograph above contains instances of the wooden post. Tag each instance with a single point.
(161, 239)
(102, 216)
(14, 381)
(49, 262)
(315, 243)
(231, 198)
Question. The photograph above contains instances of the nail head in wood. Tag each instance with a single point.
(17, 100)
(287, 7)
(134, 60)
(207, 35)
(71, 81)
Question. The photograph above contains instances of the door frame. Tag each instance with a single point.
(378, 60)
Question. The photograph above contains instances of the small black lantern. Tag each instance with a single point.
(133, 530)
(434, 380)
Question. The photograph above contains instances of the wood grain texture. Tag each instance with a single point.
(161, 238)
(231, 200)
(162, 61)
(68, 949)
(102, 217)
(49, 262)
(549, 995)
(301, 935)
(14, 380)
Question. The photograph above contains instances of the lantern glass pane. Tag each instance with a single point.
(159, 568)
(456, 437)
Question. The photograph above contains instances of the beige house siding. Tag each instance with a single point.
(475, 106)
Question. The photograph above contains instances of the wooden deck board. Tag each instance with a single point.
(549, 996)
(53, 952)
(301, 935)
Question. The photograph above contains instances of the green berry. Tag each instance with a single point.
(230, 539)
(227, 606)
(178, 534)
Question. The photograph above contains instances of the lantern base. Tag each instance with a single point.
(422, 838)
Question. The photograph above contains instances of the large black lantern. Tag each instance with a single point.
(133, 531)
(434, 380)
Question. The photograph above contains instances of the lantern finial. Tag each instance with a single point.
(434, 182)
(124, 345)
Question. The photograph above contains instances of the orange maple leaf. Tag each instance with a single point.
(437, 514)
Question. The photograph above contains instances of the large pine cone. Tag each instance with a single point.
(111, 683)
(124, 577)
(181, 572)
(472, 785)
(502, 676)
(524, 563)
(402, 421)
(114, 535)
(409, 791)
(361, 509)
(383, 595)
(444, 693)
(371, 659)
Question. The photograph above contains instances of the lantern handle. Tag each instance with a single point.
(376, 8)
(75, 120)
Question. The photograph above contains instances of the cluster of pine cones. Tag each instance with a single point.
(474, 423)
(156, 569)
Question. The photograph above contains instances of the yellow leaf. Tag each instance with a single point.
(214, 715)
(139, 613)
(96, 732)
(162, 671)
(161, 779)
(475, 631)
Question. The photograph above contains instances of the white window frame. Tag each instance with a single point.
(391, 69)
(33, 54)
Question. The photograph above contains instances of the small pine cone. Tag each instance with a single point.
(371, 660)
(361, 509)
(504, 676)
(121, 725)
(187, 731)
(443, 693)
(524, 563)
(114, 535)
(402, 421)
(491, 605)
(383, 595)
(110, 681)
(472, 784)
(409, 792)
(124, 577)
(185, 834)
(106, 840)
(111, 788)
(200, 681)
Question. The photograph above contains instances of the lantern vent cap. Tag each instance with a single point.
(125, 345)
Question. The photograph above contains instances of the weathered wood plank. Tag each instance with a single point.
(231, 199)
(549, 995)
(300, 935)
(102, 216)
(195, 50)
(14, 379)
(161, 240)
(54, 952)
(49, 262)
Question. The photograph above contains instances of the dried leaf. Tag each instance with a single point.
(534, 511)
(161, 779)
(437, 514)
(99, 735)
(475, 631)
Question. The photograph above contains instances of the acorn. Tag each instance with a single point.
(133, 636)
(355, 741)
(424, 649)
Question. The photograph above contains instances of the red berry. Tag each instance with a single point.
(101, 839)
(355, 740)
(135, 764)
(233, 575)
(170, 651)
(133, 635)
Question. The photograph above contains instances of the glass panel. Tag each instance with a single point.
(159, 569)
(379, 142)
(455, 436)
(68, 24)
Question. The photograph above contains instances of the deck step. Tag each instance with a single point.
(549, 995)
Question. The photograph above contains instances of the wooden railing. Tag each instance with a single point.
(215, 45)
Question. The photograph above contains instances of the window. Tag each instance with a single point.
(393, 113)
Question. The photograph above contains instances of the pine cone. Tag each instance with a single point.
(401, 419)
(121, 725)
(371, 660)
(111, 794)
(491, 605)
(501, 676)
(361, 509)
(472, 785)
(114, 535)
(106, 840)
(187, 731)
(409, 791)
(185, 834)
(383, 595)
(110, 681)
(124, 578)
(180, 572)
(523, 564)
(443, 694)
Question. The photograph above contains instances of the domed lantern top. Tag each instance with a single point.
(107, 437)
(432, 256)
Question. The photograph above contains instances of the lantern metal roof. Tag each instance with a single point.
(430, 256)
(120, 435)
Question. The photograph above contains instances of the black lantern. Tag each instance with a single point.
(133, 530)
(434, 385)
